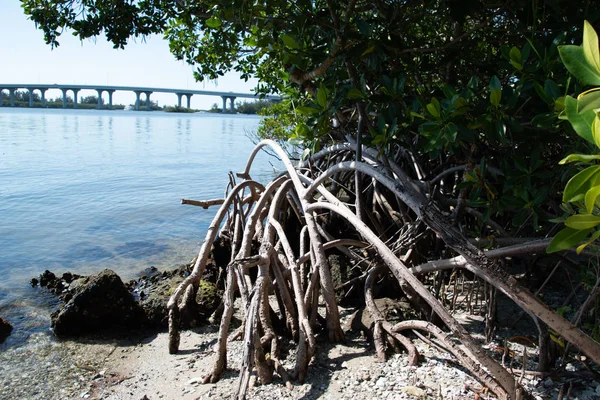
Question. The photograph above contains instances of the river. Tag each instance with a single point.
(85, 190)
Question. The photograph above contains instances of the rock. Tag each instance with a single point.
(5, 330)
(101, 302)
(61, 287)
(154, 294)
(47, 278)
(413, 391)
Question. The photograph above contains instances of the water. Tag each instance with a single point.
(81, 191)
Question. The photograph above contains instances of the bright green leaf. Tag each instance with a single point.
(214, 23)
(590, 45)
(581, 122)
(566, 238)
(590, 198)
(593, 238)
(579, 157)
(574, 59)
(588, 100)
(596, 130)
(582, 221)
(579, 184)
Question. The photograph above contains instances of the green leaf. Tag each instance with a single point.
(515, 58)
(461, 105)
(434, 107)
(582, 221)
(302, 131)
(579, 184)
(289, 41)
(322, 94)
(214, 22)
(495, 83)
(590, 198)
(588, 100)
(566, 238)
(542, 93)
(369, 50)
(551, 88)
(579, 157)
(581, 122)
(495, 97)
(354, 93)
(590, 45)
(576, 62)
(545, 120)
(593, 238)
(596, 130)
(307, 110)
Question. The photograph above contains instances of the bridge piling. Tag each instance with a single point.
(12, 96)
(110, 93)
(189, 100)
(75, 91)
(100, 91)
(148, 100)
(137, 100)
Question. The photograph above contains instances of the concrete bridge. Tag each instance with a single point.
(147, 91)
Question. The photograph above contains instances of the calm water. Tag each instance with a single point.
(83, 190)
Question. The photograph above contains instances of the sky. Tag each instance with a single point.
(26, 59)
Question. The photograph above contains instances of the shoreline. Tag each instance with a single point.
(136, 364)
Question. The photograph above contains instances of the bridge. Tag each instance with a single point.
(147, 91)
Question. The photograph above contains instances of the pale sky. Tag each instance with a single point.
(26, 59)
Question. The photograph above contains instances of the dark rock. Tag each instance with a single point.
(154, 292)
(61, 287)
(99, 302)
(5, 330)
(47, 278)
(68, 277)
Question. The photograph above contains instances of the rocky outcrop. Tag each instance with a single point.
(99, 302)
(5, 330)
(154, 293)
(62, 286)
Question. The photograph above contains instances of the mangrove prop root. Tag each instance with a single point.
(286, 231)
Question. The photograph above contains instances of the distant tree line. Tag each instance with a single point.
(22, 100)
(246, 107)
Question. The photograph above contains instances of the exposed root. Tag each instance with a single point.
(285, 232)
